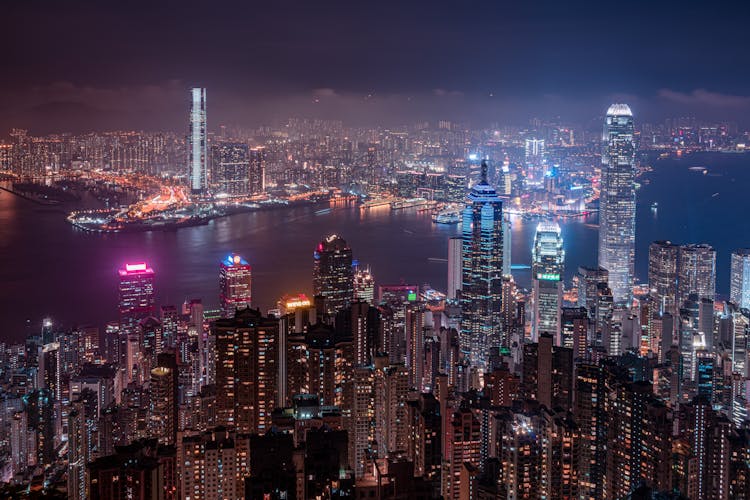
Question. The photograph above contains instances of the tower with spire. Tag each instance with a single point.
(482, 272)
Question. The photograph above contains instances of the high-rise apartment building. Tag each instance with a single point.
(198, 143)
(247, 378)
(482, 266)
(235, 284)
(617, 202)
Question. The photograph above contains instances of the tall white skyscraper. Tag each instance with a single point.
(617, 203)
(197, 152)
(454, 266)
(739, 284)
(548, 258)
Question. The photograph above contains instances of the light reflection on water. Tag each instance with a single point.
(48, 267)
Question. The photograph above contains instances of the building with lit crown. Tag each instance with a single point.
(136, 296)
(235, 284)
(548, 259)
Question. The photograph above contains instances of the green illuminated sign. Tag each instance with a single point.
(548, 276)
(412, 296)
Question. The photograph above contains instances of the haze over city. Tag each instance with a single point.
(79, 66)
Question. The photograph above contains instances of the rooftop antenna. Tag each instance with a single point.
(484, 172)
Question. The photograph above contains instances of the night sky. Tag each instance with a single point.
(74, 66)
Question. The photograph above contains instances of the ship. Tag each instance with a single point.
(447, 217)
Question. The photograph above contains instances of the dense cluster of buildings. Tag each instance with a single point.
(396, 391)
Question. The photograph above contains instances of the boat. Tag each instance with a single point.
(447, 217)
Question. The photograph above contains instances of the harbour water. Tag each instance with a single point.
(49, 268)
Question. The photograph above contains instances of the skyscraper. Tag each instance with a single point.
(235, 283)
(662, 275)
(617, 202)
(247, 378)
(364, 285)
(136, 296)
(197, 152)
(482, 266)
(696, 272)
(230, 168)
(739, 284)
(257, 171)
(548, 259)
(333, 276)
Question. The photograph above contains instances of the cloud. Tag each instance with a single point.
(324, 92)
(447, 93)
(705, 98)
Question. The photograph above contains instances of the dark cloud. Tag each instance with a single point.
(128, 64)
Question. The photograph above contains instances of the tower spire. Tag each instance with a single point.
(483, 180)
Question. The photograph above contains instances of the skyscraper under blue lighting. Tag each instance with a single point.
(482, 272)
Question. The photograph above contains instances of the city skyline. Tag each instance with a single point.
(414, 250)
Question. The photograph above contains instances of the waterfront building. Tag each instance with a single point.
(231, 168)
(739, 284)
(482, 266)
(617, 202)
(197, 143)
(235, 284)
(333, 276)
(548, 260)
(256, 175)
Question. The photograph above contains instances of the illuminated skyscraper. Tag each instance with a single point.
(535, 157)
(696, 272)
(662, 275)
(482, 273)
(333, 275)
(235, 282)
(364, 285)
(136, 292)
(230, 168)
(197, 144)
(257, 171)
(163, 399)
(247, 374)
(548, 259)
(739, 285)
(617, 202)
